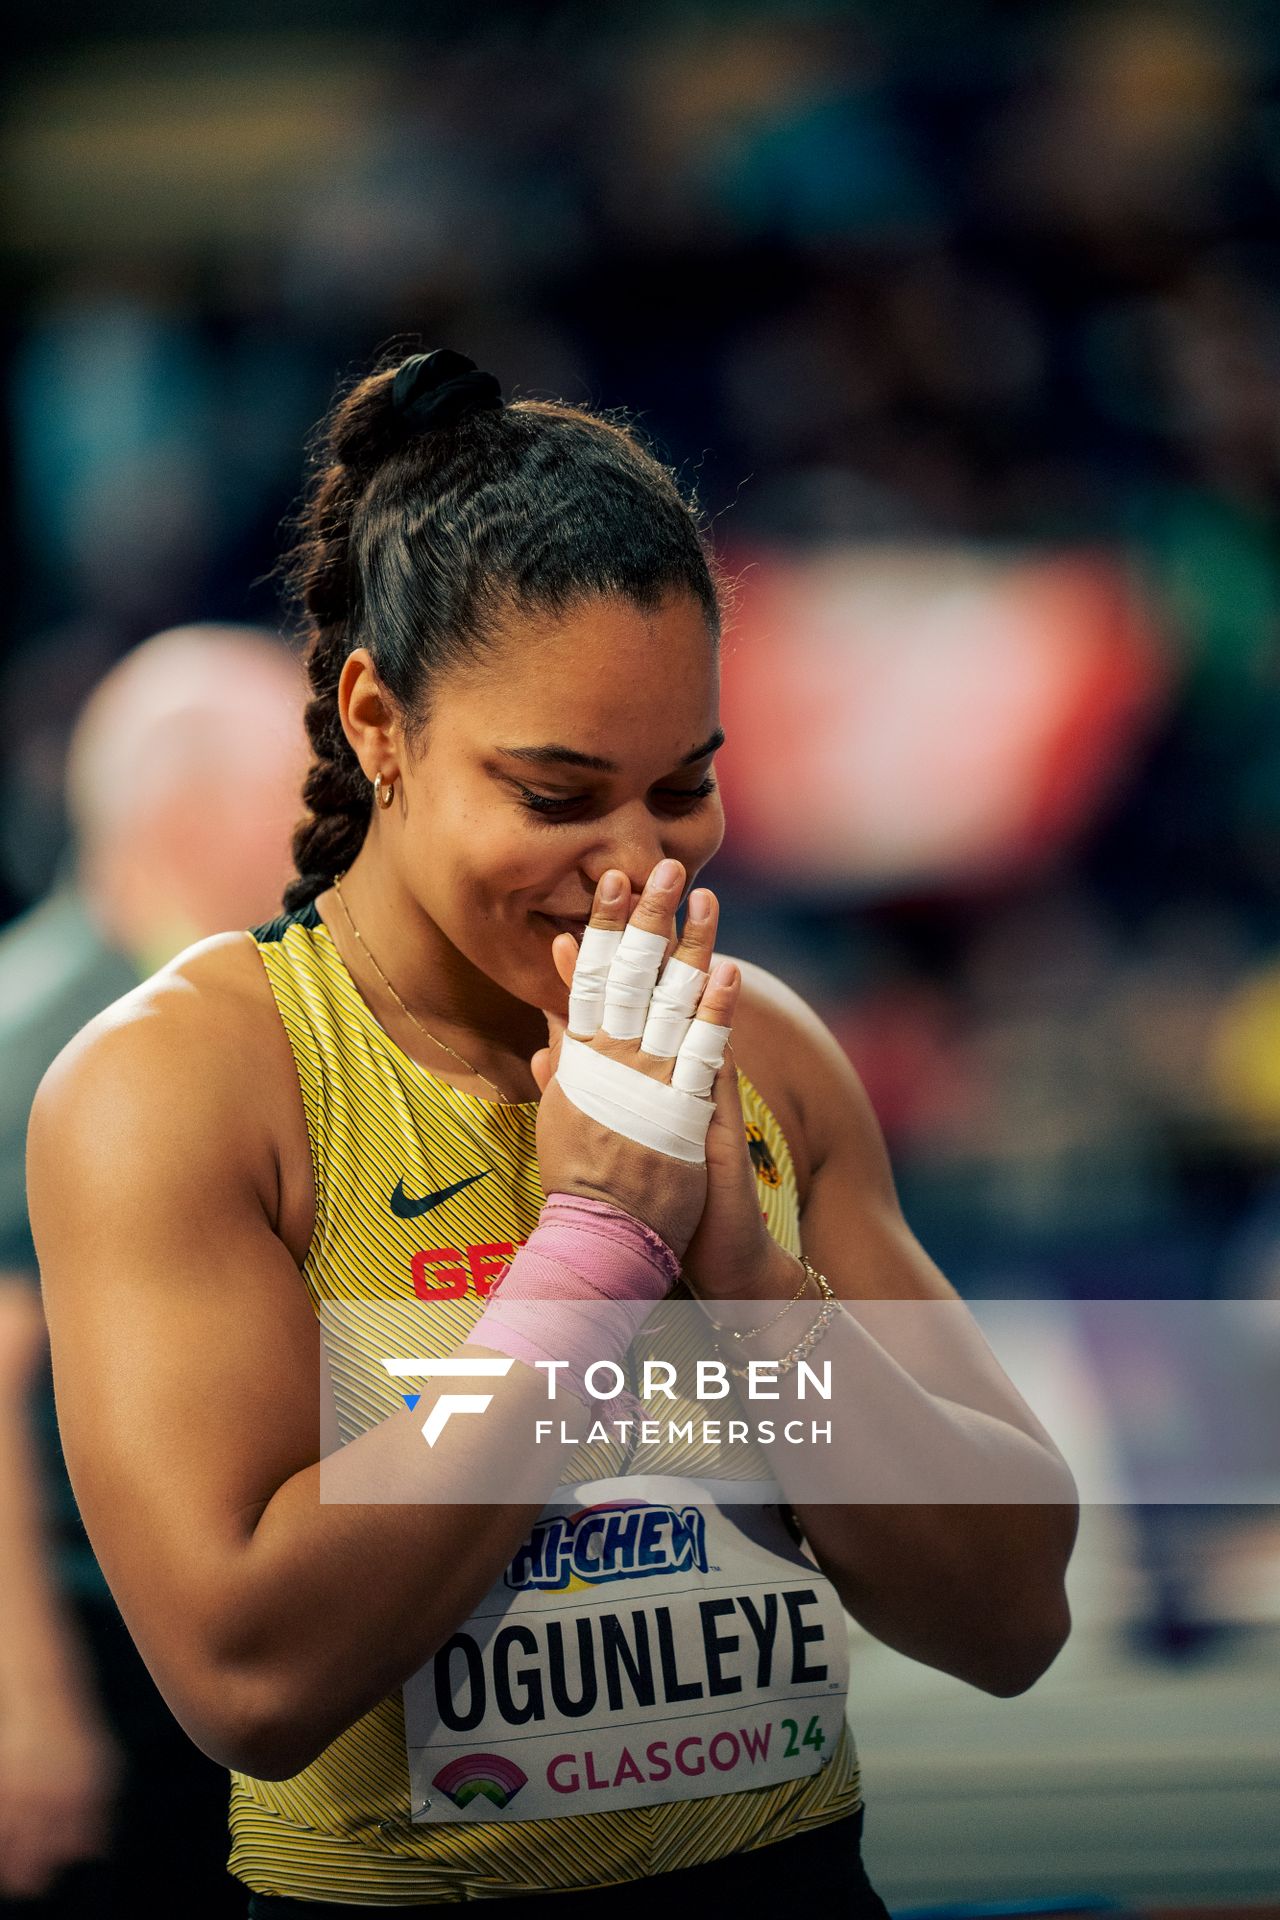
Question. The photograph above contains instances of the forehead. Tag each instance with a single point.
(607, 671)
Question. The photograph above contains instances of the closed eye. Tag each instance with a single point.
(557, 805)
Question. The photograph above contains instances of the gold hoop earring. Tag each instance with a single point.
(384, 791)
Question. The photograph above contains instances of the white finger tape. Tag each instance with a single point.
(591, 970)
(670, 1010)
(629, 987)
(700, 1057)
(670, 1119)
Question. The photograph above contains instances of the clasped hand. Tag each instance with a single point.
(707, 1210)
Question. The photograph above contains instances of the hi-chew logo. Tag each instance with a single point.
(488, 1776)
(448, 1403)
(617, 1540)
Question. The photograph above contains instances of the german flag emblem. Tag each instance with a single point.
(761, 1159)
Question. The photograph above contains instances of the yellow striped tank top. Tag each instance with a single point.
(380, 1124)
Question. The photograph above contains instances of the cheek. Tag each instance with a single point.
(479, 853)
(701, 836)
(486, 877)
(517, 869)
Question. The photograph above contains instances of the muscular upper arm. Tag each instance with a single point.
(852, 1202)
(821, 1086)
(852, 1225)
(185, 1351)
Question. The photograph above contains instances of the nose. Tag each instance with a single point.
(634, 848)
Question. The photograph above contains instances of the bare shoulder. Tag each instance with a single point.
(794, 1060)
(190, 1018)
(171, 1061)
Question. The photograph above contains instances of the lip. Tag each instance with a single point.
(563, 923)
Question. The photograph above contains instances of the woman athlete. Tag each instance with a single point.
(356, 1118)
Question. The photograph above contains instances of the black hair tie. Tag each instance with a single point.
(435, 389)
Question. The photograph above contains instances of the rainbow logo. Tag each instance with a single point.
(473, 1774)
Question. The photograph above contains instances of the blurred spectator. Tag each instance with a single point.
(181, 783)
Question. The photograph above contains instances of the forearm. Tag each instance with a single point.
(976, 1591)
(946, 1527)
(357, 1570)
(485, 1484)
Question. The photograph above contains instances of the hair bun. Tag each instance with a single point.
(435, 389)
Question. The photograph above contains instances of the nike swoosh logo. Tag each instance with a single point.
(406, 1209)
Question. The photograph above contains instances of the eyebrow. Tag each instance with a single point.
(570, 757)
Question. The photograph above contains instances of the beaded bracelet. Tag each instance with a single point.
(804, 1346)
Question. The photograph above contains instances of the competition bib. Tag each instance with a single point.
(643, 1645)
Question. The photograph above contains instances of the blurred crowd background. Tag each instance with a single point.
(964, 322)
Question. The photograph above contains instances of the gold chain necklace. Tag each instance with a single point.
(406, 1011)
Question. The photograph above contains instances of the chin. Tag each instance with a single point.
(542, 987)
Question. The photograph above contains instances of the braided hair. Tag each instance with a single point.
(435, 513)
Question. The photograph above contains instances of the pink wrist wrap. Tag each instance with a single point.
(546, 1305)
